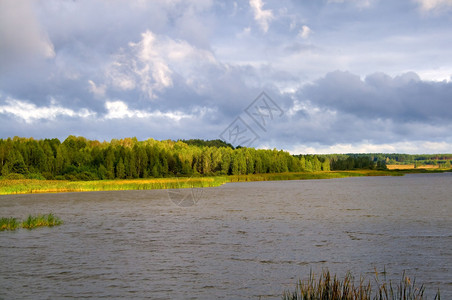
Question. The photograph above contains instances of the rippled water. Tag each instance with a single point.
(240, 240)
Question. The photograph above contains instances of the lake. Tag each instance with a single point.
(240, 240)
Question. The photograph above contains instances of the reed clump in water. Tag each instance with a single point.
(8, 224)
(327, 287)
(41, 220)
(31, 222)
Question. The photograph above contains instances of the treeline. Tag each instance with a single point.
(359, 161)
(440, 160)
(78, 158)
(411, 158)
(381, 159)
(340, 162)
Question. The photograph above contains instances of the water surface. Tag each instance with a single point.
(241, 240)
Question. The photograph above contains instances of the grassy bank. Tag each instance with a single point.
(328, 287)
(28, 186)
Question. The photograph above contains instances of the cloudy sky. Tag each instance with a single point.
(338, 76)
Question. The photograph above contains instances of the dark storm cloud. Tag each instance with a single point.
(343, 109)
(404, 98)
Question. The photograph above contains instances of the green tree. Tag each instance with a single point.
(120, 169)
(16, 163)
(110, 164)
(316, 164)
(308, 165)
(102, 172)
(326, 165)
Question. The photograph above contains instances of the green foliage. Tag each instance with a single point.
(38, 176)
(212, 143)
(356, 161)
(14, 176)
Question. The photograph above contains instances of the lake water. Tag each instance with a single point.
(240, 240)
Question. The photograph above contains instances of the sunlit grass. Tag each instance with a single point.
(328, 287)
(29, 186)
(412, 167)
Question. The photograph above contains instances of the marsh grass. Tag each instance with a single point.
(8, 224)
(328, 287)
(30, 186)
(48, 220)
(30, 222)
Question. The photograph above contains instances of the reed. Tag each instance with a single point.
(8, 224)
(29, 186)
(328, 287)
(41, 220)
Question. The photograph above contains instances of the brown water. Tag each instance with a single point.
(241, 240)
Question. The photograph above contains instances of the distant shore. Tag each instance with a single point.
(32, 186)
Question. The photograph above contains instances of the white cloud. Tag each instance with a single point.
(441, 74)
(142, 66)
(304, 32)
(151, 64)
(29, 112)
(262, 16)
(121, 75)
(98, 91)
(429, 5)
(120, 110)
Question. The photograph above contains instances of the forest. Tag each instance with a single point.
(77, 158)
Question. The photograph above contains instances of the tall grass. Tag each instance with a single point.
(28, 186)
(328, 287)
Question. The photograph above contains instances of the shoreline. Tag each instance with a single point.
(36, 186)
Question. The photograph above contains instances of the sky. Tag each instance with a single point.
(308, 76)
